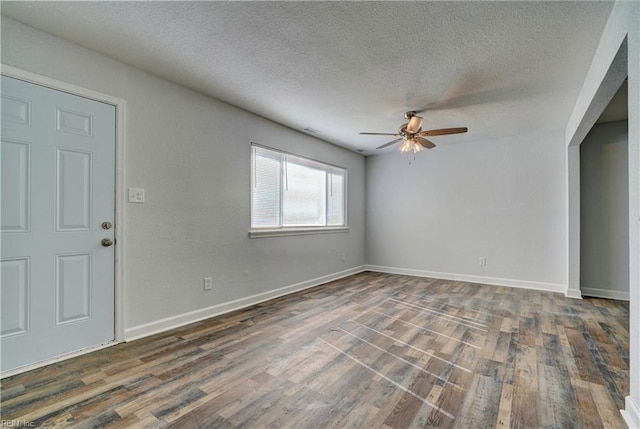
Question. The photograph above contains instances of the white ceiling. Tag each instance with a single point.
(499, 68)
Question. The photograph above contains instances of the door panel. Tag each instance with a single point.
(58, 174)
(15, 295)
(15, 186)
(73, 193)
(73, 287)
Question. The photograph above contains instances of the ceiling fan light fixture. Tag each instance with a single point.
(410, 145)
(412, 137)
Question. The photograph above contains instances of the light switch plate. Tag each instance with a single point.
(136, 195)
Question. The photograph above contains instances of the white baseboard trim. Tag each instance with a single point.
(573, 293)
(522, 284)
(604, 293)
(179, 320)
(631, 413)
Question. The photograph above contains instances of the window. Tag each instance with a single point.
(292, 194)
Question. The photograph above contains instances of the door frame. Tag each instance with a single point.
(617, 71)
(119, 200)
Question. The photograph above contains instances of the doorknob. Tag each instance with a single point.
(106, 242)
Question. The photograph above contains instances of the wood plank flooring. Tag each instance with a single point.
(371, 350)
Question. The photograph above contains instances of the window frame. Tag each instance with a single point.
(282, 230)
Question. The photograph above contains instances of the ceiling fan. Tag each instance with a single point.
(413, 136)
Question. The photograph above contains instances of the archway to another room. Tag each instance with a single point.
(604, 203)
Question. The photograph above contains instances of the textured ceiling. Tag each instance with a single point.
(499, 68)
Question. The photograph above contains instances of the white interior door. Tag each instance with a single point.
(58, 174)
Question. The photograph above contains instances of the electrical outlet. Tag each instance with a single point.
(136, 195)
(344, 257)
(207, 283)
(482, 261)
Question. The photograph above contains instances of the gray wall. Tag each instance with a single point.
(604, 211)
(499, 199)
(192, 155)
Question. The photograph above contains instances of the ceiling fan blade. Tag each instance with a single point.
(443, 131)
(390, 143)
(379, 134)
(424, 142)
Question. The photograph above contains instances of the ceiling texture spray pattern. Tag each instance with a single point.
(499, 68)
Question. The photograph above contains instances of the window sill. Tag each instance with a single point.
(280, 232)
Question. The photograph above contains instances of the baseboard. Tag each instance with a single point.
(604, 293)
(631, 413)
(523, 284)
(573, 293)
(172, 322)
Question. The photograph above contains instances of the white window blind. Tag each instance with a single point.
(289, 191)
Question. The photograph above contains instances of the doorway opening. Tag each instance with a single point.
(604, 203)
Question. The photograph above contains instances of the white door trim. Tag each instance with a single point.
(120, 105)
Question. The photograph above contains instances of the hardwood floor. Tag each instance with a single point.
(370, 350)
